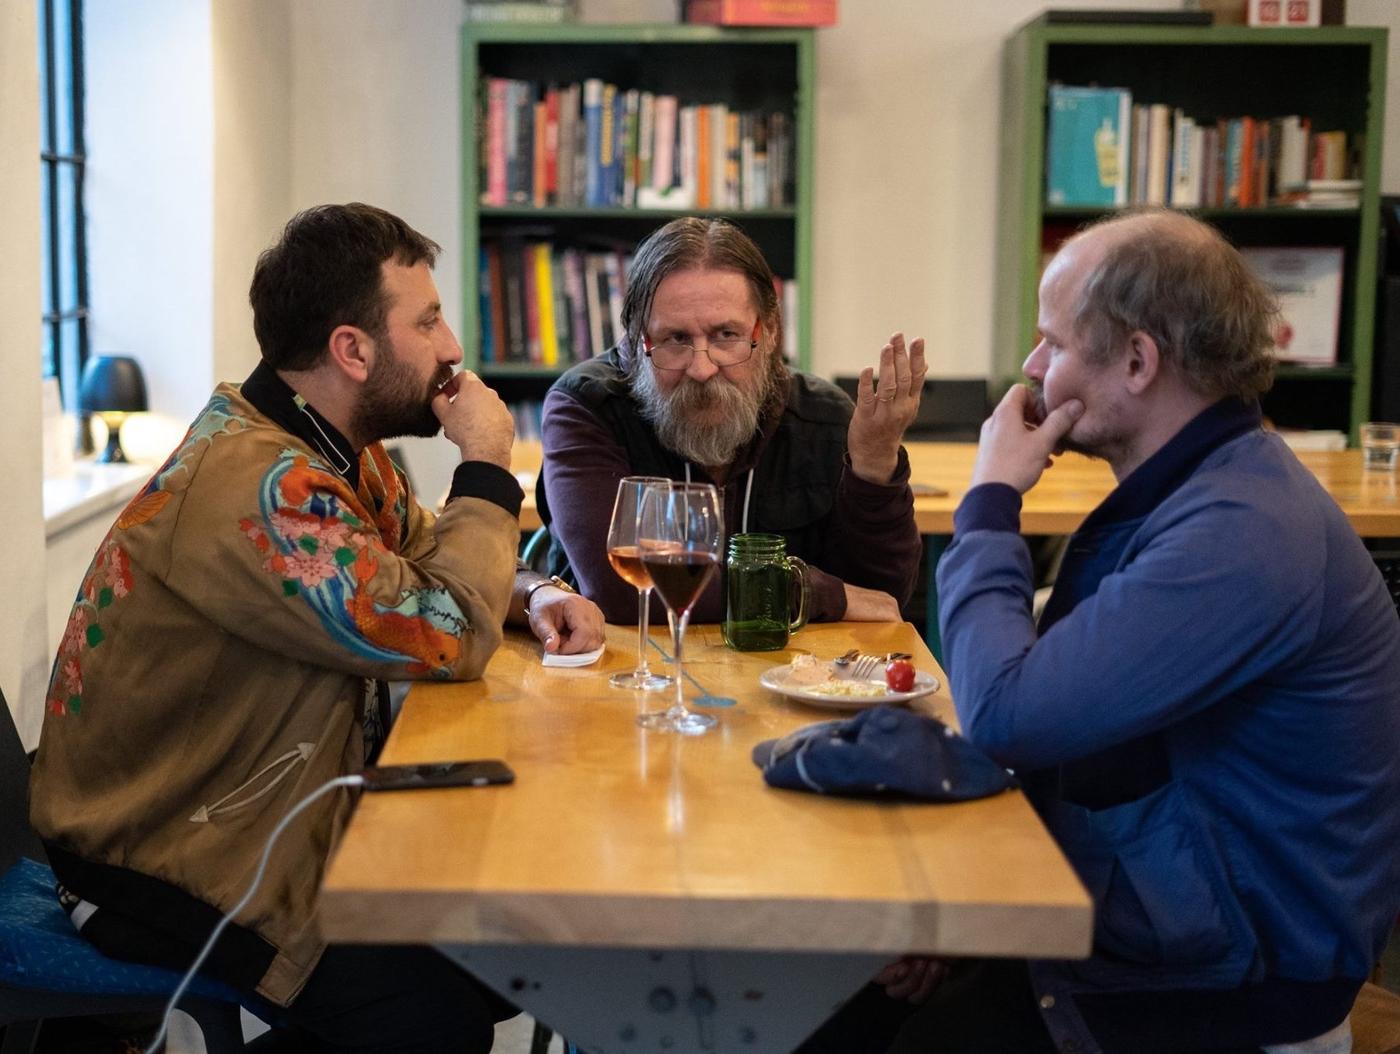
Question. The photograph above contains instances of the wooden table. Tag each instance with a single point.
(1071, 489)
(652, 882)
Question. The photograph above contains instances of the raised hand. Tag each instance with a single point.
(1015, 450)
(885, 407)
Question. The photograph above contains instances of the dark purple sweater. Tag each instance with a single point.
(845, 528)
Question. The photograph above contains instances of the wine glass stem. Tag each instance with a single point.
(643, 609)
(678, 624)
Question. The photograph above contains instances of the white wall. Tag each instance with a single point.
(906, 178)
(376, 118)
(252, 163)
(24, 658)
(150, 192)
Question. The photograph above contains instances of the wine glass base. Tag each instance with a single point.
(641, 682)
(688, 724)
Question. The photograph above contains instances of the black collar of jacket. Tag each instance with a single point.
(272, 397)
(1148, 485)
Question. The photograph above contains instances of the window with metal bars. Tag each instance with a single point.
(63, 160)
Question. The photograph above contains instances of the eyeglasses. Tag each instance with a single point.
(723, 351)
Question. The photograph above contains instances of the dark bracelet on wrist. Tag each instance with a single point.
(552, 580)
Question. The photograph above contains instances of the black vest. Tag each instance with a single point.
(797, 459)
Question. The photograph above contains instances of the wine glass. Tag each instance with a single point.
(626, 560)
(679, 533)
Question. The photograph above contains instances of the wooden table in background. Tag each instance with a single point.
(1071, 489)
(647, 885)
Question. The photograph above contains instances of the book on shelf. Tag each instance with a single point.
(1307, 282)
(1087, 146)
(550, 304)
(599, 145)
(1172, 157)
(762, 12)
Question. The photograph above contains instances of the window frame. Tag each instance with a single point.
(63, 242)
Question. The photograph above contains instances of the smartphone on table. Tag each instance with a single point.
(478, 773)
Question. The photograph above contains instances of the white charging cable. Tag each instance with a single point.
(339, 781)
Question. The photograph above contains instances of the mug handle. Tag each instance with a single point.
(797, 568)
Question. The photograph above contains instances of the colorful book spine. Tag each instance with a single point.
(544, 304)
(1087, 146)
(607, 147)
(483, 288)
(592, 140)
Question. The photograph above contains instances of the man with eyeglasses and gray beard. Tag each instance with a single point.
(697, 389)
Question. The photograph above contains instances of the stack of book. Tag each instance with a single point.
(1104, 150)
(593, 144)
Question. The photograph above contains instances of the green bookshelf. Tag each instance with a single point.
(765, 69)
(1333, 75)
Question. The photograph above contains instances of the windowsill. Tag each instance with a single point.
(92, 489)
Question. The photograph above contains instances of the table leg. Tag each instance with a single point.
(629, 1000)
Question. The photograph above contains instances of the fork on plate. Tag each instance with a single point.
(861, 665)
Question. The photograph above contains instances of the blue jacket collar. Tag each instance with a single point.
(1156, 478)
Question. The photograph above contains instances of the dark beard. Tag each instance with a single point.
(394, 403)
(710, 445)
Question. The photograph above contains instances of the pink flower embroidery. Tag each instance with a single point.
(75, 635)
(73, 677)
(311, 569)
(292, 524)
(119, 572)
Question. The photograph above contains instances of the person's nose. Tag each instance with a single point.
(701, 367)
(450, 352)
(1034, 366)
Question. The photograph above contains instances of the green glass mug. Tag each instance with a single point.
(764, 587)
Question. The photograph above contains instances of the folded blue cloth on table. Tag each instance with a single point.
(883, 751)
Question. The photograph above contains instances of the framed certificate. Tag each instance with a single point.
(1308, 284)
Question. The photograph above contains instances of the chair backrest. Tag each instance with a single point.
(17, 838)
(951, 409)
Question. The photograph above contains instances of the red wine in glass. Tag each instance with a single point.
(680, 577)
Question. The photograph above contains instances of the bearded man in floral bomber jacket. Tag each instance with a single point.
(227, 652)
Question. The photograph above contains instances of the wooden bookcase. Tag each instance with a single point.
(1333, 75)
(769, 69)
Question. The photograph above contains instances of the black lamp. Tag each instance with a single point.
(112, 388)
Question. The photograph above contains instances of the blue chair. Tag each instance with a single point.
(47, 970)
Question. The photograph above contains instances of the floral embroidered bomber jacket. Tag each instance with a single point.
(214, 667)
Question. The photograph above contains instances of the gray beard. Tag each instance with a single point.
(710, 445)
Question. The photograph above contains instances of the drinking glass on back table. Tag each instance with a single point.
(680, 533)
(626, 560)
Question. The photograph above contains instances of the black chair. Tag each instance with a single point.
(47, 970)
(951, 410)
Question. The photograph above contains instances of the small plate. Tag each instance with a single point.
(775, 680)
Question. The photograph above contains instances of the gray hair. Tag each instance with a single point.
(686, 244)
(1179, 281)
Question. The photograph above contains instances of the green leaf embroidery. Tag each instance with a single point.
(344, 555)
(105, 597)
(289, 588)
(95, 636)
(75, 704)
(308, 543)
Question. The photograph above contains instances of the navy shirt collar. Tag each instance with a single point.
(1148, 485)
(272, 397)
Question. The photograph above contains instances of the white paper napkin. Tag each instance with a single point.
(583, 658)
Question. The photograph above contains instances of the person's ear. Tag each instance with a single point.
(1141, 363)
(351, 351)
